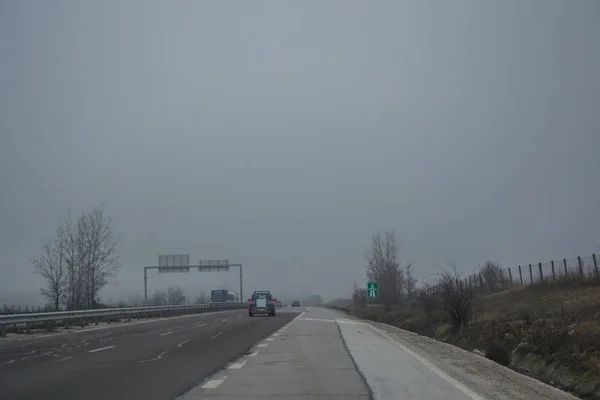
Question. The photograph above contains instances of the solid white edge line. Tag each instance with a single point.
(213, 383)
(101, 349)
(460, 386)
(262, 345)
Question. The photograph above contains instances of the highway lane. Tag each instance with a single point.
(154, 360)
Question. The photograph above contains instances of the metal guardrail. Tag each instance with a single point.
(65, 316)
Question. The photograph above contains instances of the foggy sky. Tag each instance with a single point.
(283, 135)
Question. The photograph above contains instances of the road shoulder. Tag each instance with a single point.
(304, 359)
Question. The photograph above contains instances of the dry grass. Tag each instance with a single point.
(551, 326)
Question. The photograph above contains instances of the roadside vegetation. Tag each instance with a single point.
(549, 330)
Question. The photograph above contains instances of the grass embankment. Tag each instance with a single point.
(549, 331)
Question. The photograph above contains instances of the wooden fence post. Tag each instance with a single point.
(530, 274)
(565, 265)
(541, 273)
(595, 263)
(510, 276)
(553, 273)
(521, 275)
(580, 265)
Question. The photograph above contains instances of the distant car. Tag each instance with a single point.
(261, 302)
(278, 304)
(295, 303)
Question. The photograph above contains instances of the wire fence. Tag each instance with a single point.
(523, 275)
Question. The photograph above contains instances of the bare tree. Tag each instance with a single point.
(135, 301)
(457, 298)
(101, 256)
(202, 299)
(159, 298)
(79, 261)
(359, 296)
(384, 267)
(51, 265)
(175, 296)
(411, 281)
(491, 272)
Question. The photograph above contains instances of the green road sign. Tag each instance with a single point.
(372, 289)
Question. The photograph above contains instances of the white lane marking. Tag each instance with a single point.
(471, 394)
(64, 359)
(262, 345)
(276, 334)
(317, 319)
(342, 321)
(217, 335)
(17, 355)
(101, 349)
(213, 383)
(237, 365)
(182, 343)
(49, 353)
(225, 320)
(166, 333)
(254, 353)
(155, 358)
(199, 325)
(269, 339)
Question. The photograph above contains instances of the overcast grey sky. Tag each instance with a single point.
(284, 134)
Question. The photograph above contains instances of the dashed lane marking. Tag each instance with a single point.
(217, 335)
(237, 365)
(166, 333)
(213, 383)
(101, 349)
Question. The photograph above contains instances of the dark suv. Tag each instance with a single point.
(261, 302)
(295, 303)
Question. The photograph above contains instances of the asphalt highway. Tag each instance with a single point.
(155, 360)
